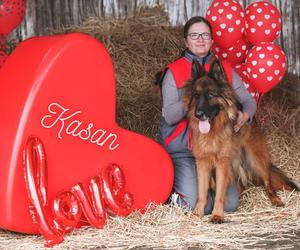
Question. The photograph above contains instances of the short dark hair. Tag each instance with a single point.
(191, 21)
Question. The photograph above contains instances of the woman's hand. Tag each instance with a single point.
(243, 117)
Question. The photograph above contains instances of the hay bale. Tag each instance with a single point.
(140, 46)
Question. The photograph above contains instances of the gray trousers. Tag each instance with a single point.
(186, 187)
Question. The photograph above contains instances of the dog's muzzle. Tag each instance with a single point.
(207, 112)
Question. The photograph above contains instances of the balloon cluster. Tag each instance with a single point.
(245, 39)
(105, 191)
(11, 14)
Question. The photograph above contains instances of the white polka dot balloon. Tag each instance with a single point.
(263, 22)
(240, 69)
(265, 65)
(227, 18)
(235, 54)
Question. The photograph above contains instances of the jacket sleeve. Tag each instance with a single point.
(172, 109)
(245, 98)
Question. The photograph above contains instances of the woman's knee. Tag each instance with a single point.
(191, 202)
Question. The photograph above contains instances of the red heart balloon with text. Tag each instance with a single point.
(3, 57)
(62, 89)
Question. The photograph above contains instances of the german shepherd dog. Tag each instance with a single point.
(222, 155)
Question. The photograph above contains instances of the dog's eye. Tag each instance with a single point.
(210, 96)
(196, 95)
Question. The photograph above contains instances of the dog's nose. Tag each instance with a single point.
(199, 114)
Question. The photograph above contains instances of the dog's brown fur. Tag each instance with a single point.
(240, 157)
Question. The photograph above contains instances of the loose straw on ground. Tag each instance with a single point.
(140, 46)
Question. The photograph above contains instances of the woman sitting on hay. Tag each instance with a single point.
(174, 134)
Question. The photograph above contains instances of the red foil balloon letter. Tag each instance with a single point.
(36, 183)
(107, 189)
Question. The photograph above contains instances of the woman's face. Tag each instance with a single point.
(199, 44)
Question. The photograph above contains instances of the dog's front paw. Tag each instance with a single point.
(198, 211)
(277, 202)
(217, 219)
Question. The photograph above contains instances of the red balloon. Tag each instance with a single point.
(263, 22)
(235, 54)
(116, 199)
(11, 14)
(97, 199)
(227, 21)
(36, 184)
(71, 105)
(2, 42)
(266, 66)
(93, 208)
(67, 206)
(3, 57)
(240, 69)
(67, 211)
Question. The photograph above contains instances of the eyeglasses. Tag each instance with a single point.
(196, 36)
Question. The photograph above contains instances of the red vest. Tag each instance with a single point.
(181, 70)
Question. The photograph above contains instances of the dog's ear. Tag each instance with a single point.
(197, 70)
(217, 72)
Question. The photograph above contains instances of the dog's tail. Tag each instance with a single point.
(280, 181)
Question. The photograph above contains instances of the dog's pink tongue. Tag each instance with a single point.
(204, 126)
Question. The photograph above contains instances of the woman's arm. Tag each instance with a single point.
(172, 109)
(246, 99)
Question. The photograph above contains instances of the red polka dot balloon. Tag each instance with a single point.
(3, 57)
(240, 69)
(263, 22)
(11, 14)
(265, 65)
(227, 18)
(235, 54)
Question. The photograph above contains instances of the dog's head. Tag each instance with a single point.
(207, 94)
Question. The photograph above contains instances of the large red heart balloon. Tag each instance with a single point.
(11, 14)
(2, 42)
(62, 89)
(3, 57)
